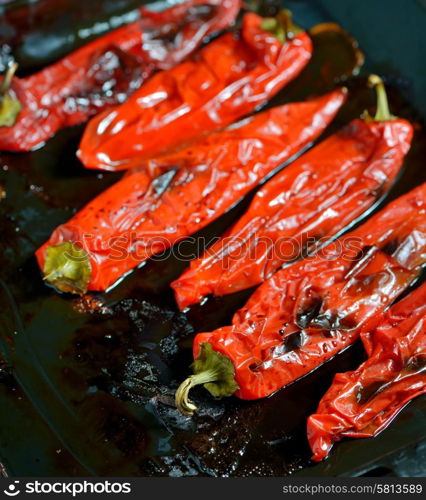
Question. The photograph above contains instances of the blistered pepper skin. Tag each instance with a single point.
(363, 402)
(308, 202)
(224, 81)
(312, 310)
(174, 196)
(106, 71)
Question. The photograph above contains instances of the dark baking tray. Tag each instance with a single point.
(90, 394)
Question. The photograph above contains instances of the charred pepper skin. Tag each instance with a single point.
(310, 311)
(307, 203)
(224, 81)
(106, 71)
(174, 196)
(363, 402)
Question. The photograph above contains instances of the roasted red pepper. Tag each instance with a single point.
(224, 81)
(310, 311)
(104, 72)
(174, 196)
(304, 205)
(362, 403)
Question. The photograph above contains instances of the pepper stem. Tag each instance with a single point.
(383, 113)
(211, 369)
(281, 26)
(10, 73)
(9, 107)
(67, 268)
(183, 403)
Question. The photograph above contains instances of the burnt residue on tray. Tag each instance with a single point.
(87, 384)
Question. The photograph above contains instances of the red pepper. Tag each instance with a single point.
(312, 310)
(224, 81)
(105, 71)
(308, 202)
(362, 403)
(174, 196)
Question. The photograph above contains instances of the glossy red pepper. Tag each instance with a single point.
(224, 81)
(106, 71)
(174, 196)
(312, 310)
(303, 206)
(363, 402)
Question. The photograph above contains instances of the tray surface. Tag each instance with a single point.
(91, 393)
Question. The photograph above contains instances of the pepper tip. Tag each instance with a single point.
(184, 405)
(383, 113)
(374, 80)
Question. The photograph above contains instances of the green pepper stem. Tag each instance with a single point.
(211, 369)
(183, 403)
(67, 268)
(383, 113)
(7, 81)
(9, 106)
(281, 26)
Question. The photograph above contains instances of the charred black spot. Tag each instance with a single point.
(325, 321)
(309, 311)
(112, 75)
(294, 341)
(333, 321)
(255, 366)
(161, 183)
(364, 394)
(390, 247)
(416, 363)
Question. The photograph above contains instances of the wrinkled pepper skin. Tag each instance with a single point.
(224, 81)
(312, 310)
(174, 196)
(106, 71)
(308, 202)
(363, 402)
